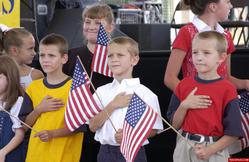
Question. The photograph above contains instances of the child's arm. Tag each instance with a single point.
(192, 101)
(47, 104)
(47, 135)
(173, 68)
(239, 83)
(204, 152)
(14, 142)
(120, 101)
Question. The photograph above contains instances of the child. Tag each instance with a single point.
(92, 17)
(206, 107)
(44, 107)
(209, 13)
(11, 131)
(20, 44)
(115, 97)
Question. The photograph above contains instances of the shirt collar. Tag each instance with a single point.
(128, 82)
(202, 26)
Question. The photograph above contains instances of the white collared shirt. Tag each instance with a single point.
(106, 93)
(202, 26)
(15, 109)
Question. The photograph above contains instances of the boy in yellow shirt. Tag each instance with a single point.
(44, 106)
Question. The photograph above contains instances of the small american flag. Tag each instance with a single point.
(81, 105)
(138, 124)
(100, 63)
(244, 107)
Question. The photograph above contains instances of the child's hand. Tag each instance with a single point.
(49, 104)
(202, 152)
(193, 101)
(44, 135)
(121, 100)
(2, 156)
(118, 136)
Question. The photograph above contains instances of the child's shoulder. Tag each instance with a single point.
(36, 74)
(145, 91)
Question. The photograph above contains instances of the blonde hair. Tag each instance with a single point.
(98, 11)
(132, 45)
(14, 37)
(9, 68)
(57, 40)
(221, 42)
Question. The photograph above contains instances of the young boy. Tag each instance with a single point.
(205, 107)
(44, 107)
(115, 97)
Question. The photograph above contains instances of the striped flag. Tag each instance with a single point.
(138, 124)
(81, 105)
(244, 107)
(100, 63)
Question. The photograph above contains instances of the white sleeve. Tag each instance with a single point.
(15, 111)
(153, 102)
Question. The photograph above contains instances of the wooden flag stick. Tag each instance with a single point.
(28, 126)
(176, 131)
(97, 95)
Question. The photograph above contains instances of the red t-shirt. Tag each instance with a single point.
(183, 41)
(209, 121)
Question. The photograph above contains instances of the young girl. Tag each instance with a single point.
(20, 44)
(92, 17)
(11, 131)
(208, 14)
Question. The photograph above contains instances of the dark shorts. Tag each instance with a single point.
(108, 153)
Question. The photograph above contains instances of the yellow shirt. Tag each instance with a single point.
(62, 149)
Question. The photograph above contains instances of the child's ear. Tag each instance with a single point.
(13, 50)
(223, 57)
(64, 58)
(212, 7)
(135, 60)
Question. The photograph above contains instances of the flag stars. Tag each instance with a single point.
(243, 103)
(79, 76)
(135, 110)
(102, 36)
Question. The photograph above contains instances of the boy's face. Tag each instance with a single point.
(120, 61)
(51, 59)
(206, 58)
(91, 28)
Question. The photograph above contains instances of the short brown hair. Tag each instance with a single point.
(98, 11)
(221, 42)
(9, 68)
(56, 39)
(124, 40)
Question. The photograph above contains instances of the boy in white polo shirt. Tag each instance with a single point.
(115, 97)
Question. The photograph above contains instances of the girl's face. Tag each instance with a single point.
(3, 85)
(26, 52)
(223, 8)
(91, 28)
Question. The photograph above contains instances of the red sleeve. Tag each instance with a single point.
(183, 39)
